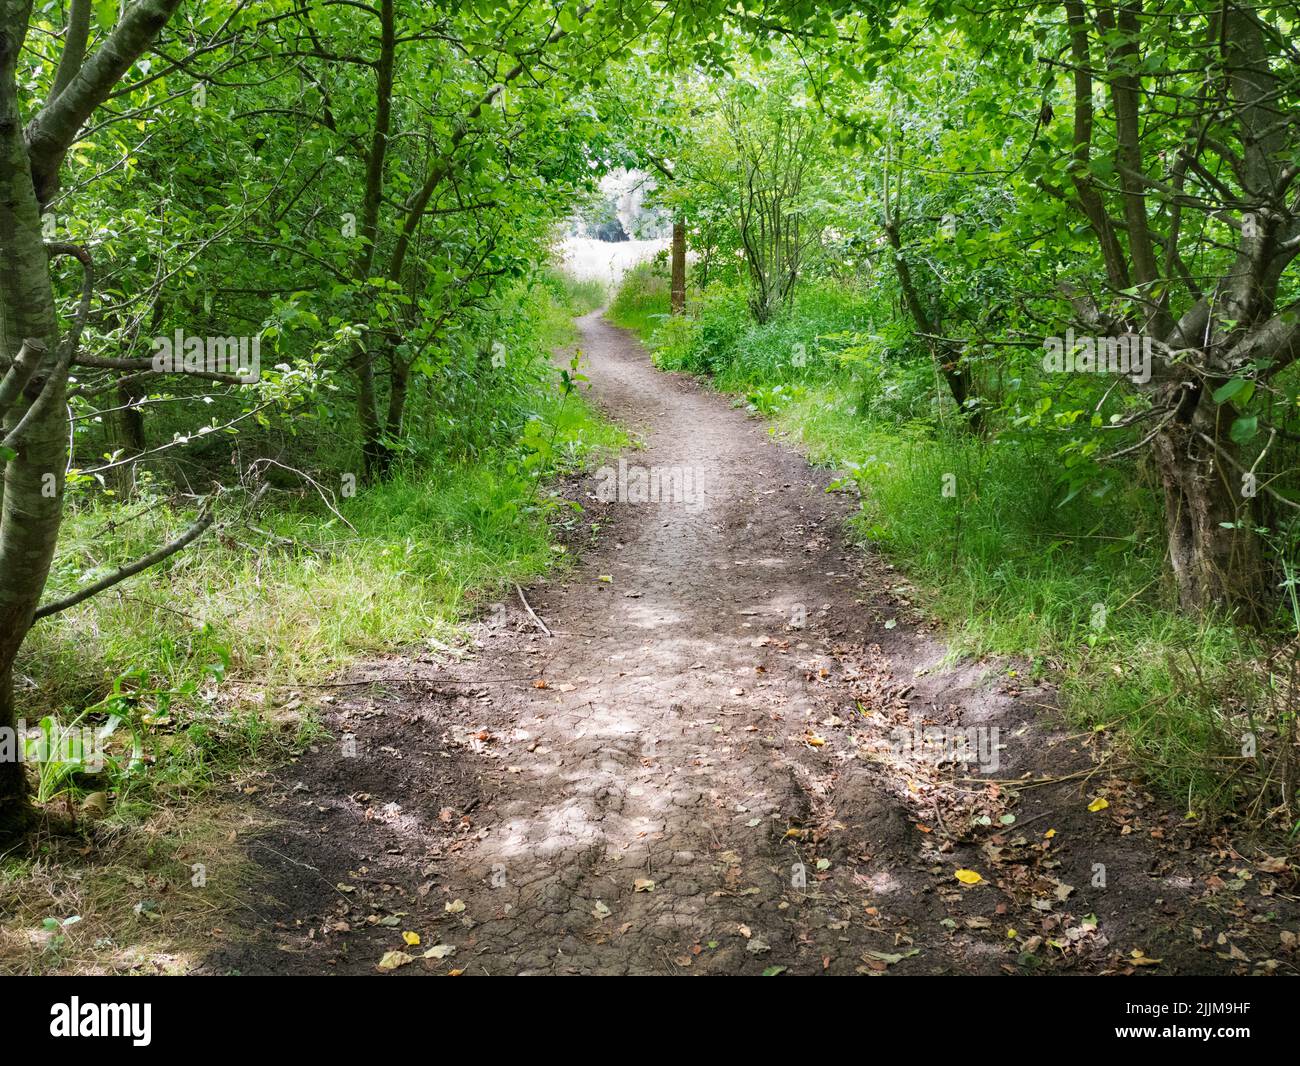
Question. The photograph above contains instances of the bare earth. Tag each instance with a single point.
(684, 780)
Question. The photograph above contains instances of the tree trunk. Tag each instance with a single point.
(33, 478)
(948, 360)
(1210, 521)
(398, 389)
(15, 810)
(128, 427)
(679, 268)
(30, 160)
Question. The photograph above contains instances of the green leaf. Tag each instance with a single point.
(1244, 429)
(1228, 390)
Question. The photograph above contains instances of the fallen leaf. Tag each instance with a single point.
(889, 958)
(1139, 958)
(393, 959)
(441, 951)
(968, 877)
(412, 939)
(95, 805)
(1099, 804)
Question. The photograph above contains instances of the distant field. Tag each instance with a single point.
(606, 261)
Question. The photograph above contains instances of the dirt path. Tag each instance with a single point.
(705, 784)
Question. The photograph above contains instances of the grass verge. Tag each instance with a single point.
(196, 662)
(1006, 557)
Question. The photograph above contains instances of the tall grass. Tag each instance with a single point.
(310, 579)
(212, 655)
(641, 301)
(1006, 556)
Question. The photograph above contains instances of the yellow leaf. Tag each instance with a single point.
(1050, 833)
(411, 938)
(969, 877)
(814, 740)
(393, 959)
(605, 577)
(1139, 958)
(1012, 934)
(1099, 804)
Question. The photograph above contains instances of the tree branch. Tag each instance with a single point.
(122, 573)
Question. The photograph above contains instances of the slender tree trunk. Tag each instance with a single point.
(1214, 552)
(678, 305)
(33, 478)
(30, 161)
(948, 359)
(373, 452)
(398, 390)
(128, 426)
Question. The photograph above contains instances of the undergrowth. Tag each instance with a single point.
(1010, 556)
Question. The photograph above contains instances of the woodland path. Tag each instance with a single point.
(651, 809)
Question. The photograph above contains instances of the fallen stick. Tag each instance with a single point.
(377, 681)
(540, 624)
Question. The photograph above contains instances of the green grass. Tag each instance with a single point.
(1004, 556)
(209, 659)
(209, 644)
(641, 302)
(585, 295)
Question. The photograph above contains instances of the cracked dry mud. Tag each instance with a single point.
(703, 786)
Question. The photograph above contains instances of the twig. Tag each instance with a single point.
(531, 614)
(325, 497)
(1227, 456)
(381, 681)
(122, 573)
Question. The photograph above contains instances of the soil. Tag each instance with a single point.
(706, 767)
